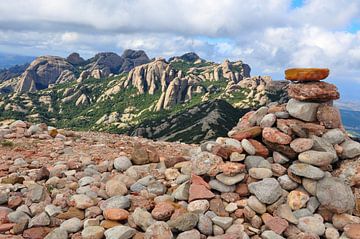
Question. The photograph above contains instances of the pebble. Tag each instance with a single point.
(335, 195)
(268, 120)
(116, 202)
(193, 234)
(273, 135)
(297, 199)
(115, 188)
(306, 170)
(230, 180)
(223, 222)
(93, 232)
(115, 214)
(334, 136)
(300, 145)
(184, 222)
(351, 149)
(72, 225)
(256, 205)
(267, 190)
(248, 147)
(221, 187)
(198, 206)
(122, 163)
(280, 158)
(57, 233)
(317, 158)
(312, 224)
(260, 173)
(159, 230)
(120, 232)
(205, 225)
(82, 201)
(305, 111)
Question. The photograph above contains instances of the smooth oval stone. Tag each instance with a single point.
(260, 173)
(230, 180)
(306, 74)
(306, 170)
(300, 145)
(221, 187)
(274, 135)
(317, 158)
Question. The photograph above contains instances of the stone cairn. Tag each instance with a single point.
(276, 176)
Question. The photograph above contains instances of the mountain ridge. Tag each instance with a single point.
(109, 92)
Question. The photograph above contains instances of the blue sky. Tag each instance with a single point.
(269, 35)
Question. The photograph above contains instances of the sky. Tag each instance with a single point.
(269, 35)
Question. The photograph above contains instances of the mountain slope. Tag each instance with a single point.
(201, 122)
(93, 95)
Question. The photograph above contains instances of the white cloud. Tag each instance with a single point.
(269, 35)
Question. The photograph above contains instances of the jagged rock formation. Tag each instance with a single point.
(132, 59)
(48, 70)
(152, 90)
(43, 71)
(75, 59)
(149, 77)
(202, 122)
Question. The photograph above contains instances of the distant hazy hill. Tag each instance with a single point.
(351, 120)
(9, 60)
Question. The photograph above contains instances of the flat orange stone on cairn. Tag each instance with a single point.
(306, 74)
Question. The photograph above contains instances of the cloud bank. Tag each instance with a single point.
(269, 35)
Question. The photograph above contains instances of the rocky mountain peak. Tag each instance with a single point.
(75, 58)
(43, 71)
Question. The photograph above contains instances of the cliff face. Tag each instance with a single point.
(48, 70)
(43, 71)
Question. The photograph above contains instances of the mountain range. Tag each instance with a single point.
(183, 98)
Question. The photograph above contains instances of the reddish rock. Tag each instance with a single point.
(217, 206)
(109, 224)
(232, 168)
(6, 227)
(4, 211)
(36, 232)
(225, 151)
(260, 149)
(277, 108)
(329, 116)
(299, 128)
(199, 191)
(273, 135)
(171, 161)
(162, 211)
(277, 225)
(195, 179)
(116, 214)
(72, 212)
(230, 197)
(242, 189)
(313, 91)
(283, 149)
(178, 212)
(14, 201)
(306, 74)
(352, 231)
(43, 173)
(301, 144)
(143, 202)
(239, 213)
(245, 133)
(244, 121)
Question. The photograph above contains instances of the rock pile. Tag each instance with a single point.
(274, 177)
